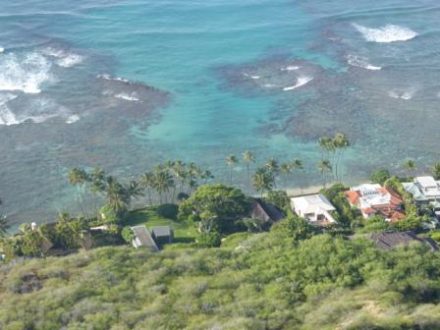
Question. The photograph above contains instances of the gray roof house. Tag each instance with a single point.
(143, 238)
(390, 240)
(162, 234)
(266, 212)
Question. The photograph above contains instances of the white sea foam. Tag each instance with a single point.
(361, 62)
(127, 97)
(24, 73)
(402, 94)
(70, 60)
(64, 59)
(106, 76)
(290, 68)
(386, 34)
(301, 81)
(38, 111)
(72, 119)
(255, 77)
(2, 50)
(7, 117)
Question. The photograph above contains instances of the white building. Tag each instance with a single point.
(424, 189)
(314, 208)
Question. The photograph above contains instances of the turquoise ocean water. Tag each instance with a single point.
(127, 84)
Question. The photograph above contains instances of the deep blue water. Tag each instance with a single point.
(126, 84)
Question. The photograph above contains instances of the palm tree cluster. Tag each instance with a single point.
(117, 195)
(164, 184)
(332, 150)
(266, 176)
(172, 180)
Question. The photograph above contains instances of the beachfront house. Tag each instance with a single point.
(143, 238)
(373, 199)
(315, 208)
(424, 189)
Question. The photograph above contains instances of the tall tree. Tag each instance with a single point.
(147, 182)
(340, 143)
(4, 224)
(163, 183)
(248, 159)
(436, 171)
(325, 168)
(263, 180)
(410, 166)
(231, 161)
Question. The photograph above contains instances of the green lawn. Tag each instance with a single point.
(183, 232)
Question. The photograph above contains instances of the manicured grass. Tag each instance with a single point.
(183, 232)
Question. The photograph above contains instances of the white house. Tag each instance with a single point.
(424, 189)
(314, 208)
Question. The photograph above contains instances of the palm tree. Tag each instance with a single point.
(436, 171)
(147, 182)
(296, 164)
(324, 167)
(410, 166)
(4, 224)
(248, 159)
(206, 176)
(340, 144)
(77, 176)
(263, 180)
(163, 182)
(116, 194)
(231, 161)
(180, 174)
(273, 167)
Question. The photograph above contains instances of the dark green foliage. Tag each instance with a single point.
(375, 224)
(127, 234)
(279, 198)
(380, 176)
(210, 239)
(411, 222)
(4, 224)
(295, 228)
(436, 171)
(217, 205)
(395, 184)
(345, 214)
(182, 196)
(254, 225)
(168, 211)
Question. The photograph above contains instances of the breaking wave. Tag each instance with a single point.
(24, 73)
(132, 97)
(386, 34)
(403, 95)
(63, 58)
(361, 62)
(7, 117)
(36, 111)
(290, 68)
(301, 81)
